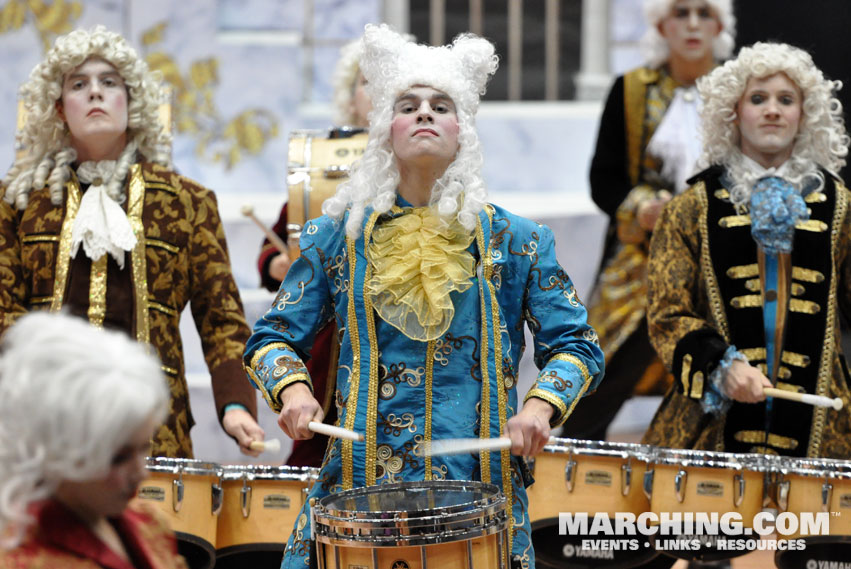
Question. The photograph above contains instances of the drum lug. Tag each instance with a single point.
(648, 482)
(738, 489)
(680, 485)
(783, 494)
(826, 495)
(245, 499)
(626, 478)
(217, 497)
(177, 493)
(569, 473)
(530, 462)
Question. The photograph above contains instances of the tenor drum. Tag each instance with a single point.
(259, 509)
(817, 494)
(586, 477)
(415, 525)
(318, 161)
(703, 485)
(189, 493)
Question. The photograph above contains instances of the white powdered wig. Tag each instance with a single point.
(392, 65)
(821, 139)
(655, 49)
(344, 82)
(48, 153)
(71, 396)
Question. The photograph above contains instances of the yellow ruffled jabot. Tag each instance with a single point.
(417, 260)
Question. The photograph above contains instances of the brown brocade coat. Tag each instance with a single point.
(180, 256)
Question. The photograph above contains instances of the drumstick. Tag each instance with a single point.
(333, 431)
(815, 400)
(464, 446)
(248, 211)
(270, 445)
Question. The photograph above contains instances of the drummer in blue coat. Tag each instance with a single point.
(430, 287)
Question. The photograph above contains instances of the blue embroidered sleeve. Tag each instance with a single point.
(566, 348)
(282, 339)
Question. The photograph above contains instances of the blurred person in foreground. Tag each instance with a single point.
(76, 421)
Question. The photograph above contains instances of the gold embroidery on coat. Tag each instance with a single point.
(372, 385)
(63, 260)
(354, 379)
(713, 291)
(40, 239)
(754, 354)
(804, 306)
(429, 381)
(826, 362)
(138, 259)
(685, 373)
(734, 221)
(807, 275)
(815, 197)
(163, 308)
(743, 271)
(697, 385)
(814, 225)
(150, 242)
(746, 301)
(795, 359)
(97, 292)
(758, 437)
(722, 194)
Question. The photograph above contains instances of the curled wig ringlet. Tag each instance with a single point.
(391, 65)
(345, 75)
(821, 139)
(655, 49)
(67, 408)
(48, 153)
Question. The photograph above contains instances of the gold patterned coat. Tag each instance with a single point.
(623, 175)
(706, 290)
(180, 257)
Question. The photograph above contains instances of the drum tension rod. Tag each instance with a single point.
(826, 495)
(738, 489)
(177, 491)
(626, 477)
(569, 472)
(245, 497)
(680, 485)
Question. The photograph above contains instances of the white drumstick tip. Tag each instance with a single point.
(270, 445)
(247, 210)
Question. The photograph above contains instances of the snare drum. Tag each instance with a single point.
(259, 509)
(318, 161)
(705, 484)
(818, 493)
(189, 493)
(415, 525)
(578, 476)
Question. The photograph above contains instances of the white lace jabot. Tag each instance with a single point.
(101, 225)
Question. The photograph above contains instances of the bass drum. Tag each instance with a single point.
(318, 160)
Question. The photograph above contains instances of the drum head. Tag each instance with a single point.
(410, 513)
(414, 499)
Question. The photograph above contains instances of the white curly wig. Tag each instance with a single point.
(655, 49)
(391, 65)
(345, 76)
(821, 139)
(66, 411)
(48, 153)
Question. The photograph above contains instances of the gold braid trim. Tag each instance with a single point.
(138, 256)
(635, 99)
(824, 374)
(372, 396)
(63, 260)
(713, 291)
(484, 430)
(734, 221)
(814, 225)
(758, 437)
(807, 275)
(354, 380)
(40, 239)
(429, 382)
(743, 271)
(97, 292)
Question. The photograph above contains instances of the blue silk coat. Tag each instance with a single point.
(401, 392)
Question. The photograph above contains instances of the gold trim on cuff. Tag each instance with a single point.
(562, 411)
